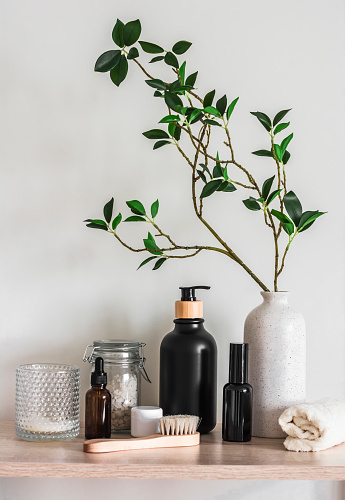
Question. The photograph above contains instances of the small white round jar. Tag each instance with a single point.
(145, 420)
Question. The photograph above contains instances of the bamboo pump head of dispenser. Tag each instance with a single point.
(188, 307)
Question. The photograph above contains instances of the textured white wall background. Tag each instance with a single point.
(71, 140)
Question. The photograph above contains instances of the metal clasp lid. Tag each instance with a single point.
(89, 358)
(142, 364)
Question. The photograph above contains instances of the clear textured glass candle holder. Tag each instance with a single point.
(47, 401)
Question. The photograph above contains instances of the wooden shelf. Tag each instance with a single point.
(213, 459)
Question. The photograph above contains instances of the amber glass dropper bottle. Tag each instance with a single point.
(98, 405)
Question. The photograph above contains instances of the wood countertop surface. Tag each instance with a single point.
(213, 459)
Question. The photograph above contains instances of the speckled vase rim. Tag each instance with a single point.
(275, 293)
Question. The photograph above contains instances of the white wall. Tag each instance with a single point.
(71, 140)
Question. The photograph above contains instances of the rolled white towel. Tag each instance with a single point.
(314, 426)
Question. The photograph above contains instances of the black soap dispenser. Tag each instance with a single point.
(188, 364)
(237, 397)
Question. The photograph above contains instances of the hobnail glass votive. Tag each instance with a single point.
(47, 401)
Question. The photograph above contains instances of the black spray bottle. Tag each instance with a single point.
(98, 405)
(188, 364)
(237, 397)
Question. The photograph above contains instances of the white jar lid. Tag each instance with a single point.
(145, 420)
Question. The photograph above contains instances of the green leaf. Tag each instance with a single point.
(210, 188)
(179, 88)
(117, 34)
(227, 187)
(280, 127)
(182, 72)
(204, 167)
(156, 133)
(156, 59)
(279, 116)
(171, 59)
(181, 109)
(218, 171)
(154, 208)
(263, 119)
(116, 221)
(151, 48)
(208, 99)
(159, 144)
(251, 204)
(286, 157)
(172, 100)
(94, 225)
(133, 53)
(285, 144)
(107, 61)
(225, 173)
(293, 207)
(146, 261)
(131, 32)
(181, 47)
(307, 219)
(282, 217)
(150, 237)
(262, 152)
(119, 73)
(170, 119)
(177, 132)
(158, 94)
(272, 196)
(212, 122)
(159, 263)
(212, 111)
(278, 152)
(151, 245)
(195, 113)
(108, 210)
(288, 227)
(266, 187)
(136, 207)
(191, 79)
(202, 176)
(221, 104)
(231, 107)
(171, 128)
(156, 84)
(135, 218)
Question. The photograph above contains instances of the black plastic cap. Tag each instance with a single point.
(238, 367)
(188, 292)
(99, 377)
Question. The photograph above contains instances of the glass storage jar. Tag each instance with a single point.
(124, 364)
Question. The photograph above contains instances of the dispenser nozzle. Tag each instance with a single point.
(188, 292)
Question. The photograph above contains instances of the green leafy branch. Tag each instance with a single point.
(110, 224)
(195, 118)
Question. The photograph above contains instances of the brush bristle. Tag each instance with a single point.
(174, 425)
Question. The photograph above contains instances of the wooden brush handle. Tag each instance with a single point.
(154, 441)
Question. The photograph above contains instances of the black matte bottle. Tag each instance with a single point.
(98, 405)
(237, 397)
(188, 365)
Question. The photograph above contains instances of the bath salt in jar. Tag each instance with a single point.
(124, 364)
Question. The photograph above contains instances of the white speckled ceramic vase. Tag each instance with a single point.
(277, 361)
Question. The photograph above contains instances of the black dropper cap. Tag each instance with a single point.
(188, 292)
(238, 369)
(99, 377)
